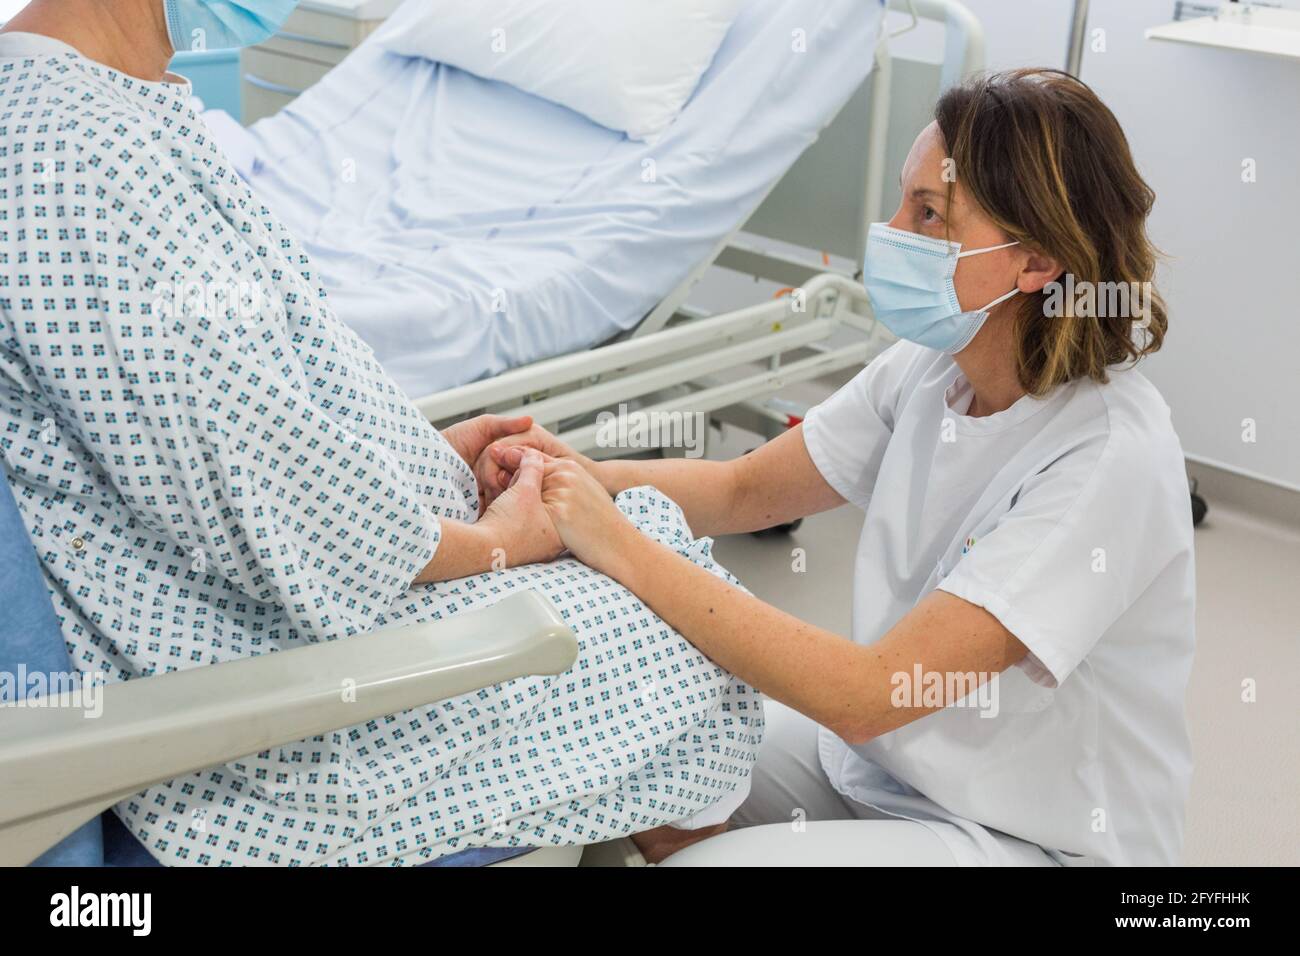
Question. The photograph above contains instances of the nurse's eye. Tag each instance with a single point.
(930, 216)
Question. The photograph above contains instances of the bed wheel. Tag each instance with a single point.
(1199, 506)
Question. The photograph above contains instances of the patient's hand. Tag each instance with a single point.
(500, 460)
(517, 523)
(471, 438)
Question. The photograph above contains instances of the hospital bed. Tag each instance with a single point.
(485, 242)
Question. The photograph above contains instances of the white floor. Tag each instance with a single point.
(1245, 800)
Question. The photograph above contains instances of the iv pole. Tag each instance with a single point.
(1078, 32)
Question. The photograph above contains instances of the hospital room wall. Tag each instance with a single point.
(1016, 33)
(1193, 115)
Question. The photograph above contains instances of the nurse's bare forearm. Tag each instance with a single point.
(772, 485)
(837, 683)
(705, 490)
(848, 688)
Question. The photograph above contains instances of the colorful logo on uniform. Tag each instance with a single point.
(970, 543)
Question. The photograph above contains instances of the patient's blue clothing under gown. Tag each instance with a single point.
(212, 466)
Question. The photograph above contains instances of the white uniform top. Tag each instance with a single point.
(1068, 519)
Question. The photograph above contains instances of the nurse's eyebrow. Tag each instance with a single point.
(921, 192)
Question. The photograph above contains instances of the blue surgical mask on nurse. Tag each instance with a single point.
(910, 281)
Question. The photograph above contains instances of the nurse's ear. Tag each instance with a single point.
(1039, 269)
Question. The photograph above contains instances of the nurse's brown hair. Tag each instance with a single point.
(1048, 162)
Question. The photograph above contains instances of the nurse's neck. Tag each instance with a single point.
(989, 364)
(129, 36)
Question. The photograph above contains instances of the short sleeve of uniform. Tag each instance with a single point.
(1082, 541)
(847, 434)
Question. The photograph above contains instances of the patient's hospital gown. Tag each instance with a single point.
(212, 466)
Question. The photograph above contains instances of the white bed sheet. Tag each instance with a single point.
(463, 227)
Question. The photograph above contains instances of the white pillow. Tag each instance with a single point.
(630, 65)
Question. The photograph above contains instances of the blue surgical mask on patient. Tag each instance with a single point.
(223, 24)
(909, 279)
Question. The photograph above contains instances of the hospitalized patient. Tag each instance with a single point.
(212, 466)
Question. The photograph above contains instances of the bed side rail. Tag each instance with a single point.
(829, 316)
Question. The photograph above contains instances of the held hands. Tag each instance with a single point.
(496, 468)
(585, 517)
(540, 497)
(519, 527)
(483, 441)
(472, 437)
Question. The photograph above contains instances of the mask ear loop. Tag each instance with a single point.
(1000, 299)
(977, 252)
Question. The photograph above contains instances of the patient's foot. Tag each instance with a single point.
(662, 842)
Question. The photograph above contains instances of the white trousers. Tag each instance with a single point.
(794, 817)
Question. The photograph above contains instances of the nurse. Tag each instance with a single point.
(1012, 690)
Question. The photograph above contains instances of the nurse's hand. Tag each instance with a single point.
(584, 515)
(518, 526)
(473, 435)
(501, 459)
